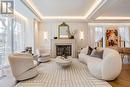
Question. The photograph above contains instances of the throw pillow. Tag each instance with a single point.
(97, 53)
(90, 49)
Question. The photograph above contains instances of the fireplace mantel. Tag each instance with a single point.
(55, 42)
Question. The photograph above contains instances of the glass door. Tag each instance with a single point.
(3, 36)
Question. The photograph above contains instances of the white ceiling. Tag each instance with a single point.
(63, 7)
(24, 10)
(82, 9)
(120, 8)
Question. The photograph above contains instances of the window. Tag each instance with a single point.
(99, 36)
(98, 33)
(125, 35)
(11, 37)
(4, 40)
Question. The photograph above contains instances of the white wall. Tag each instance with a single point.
(52, 29)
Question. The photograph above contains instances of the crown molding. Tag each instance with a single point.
(109, 23)
(19, 14)
(31, 9)
(113, 18)
(95, 7)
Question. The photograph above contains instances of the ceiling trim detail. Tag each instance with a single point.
(92, 10)
(31, 9)
(95, 7)
(112, 18)
(20, 15)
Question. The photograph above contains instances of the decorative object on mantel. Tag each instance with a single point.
(73, 34)
(63, 31)
(72, 37)
(55, 37)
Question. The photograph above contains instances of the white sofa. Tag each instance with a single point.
(107, 68)
(22, 66)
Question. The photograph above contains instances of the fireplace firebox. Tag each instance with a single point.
(63, 50)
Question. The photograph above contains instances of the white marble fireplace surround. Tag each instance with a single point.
(55, 42)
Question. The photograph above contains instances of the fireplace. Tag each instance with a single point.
(63, 50)
(63, 46)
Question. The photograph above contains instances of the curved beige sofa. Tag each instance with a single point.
(107, 68)
(22, 66)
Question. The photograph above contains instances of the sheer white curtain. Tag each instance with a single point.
(95, 33)
(124, 32)
(18, 34)
(91, 35)
(98, 33)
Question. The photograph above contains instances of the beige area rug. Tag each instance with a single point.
(52, 75)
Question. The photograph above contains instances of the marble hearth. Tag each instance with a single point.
(63, 42)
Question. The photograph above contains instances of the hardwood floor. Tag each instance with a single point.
(124, 78)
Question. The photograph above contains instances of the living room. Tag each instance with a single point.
(46, 43)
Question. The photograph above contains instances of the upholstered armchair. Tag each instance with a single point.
(22, 66)
(43, 55)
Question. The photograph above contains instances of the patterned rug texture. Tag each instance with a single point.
(53, 75)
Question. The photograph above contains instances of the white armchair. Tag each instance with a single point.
(43, 55)
(107, 68)
(22, 66)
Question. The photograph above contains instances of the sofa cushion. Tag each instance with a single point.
(97, 53)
